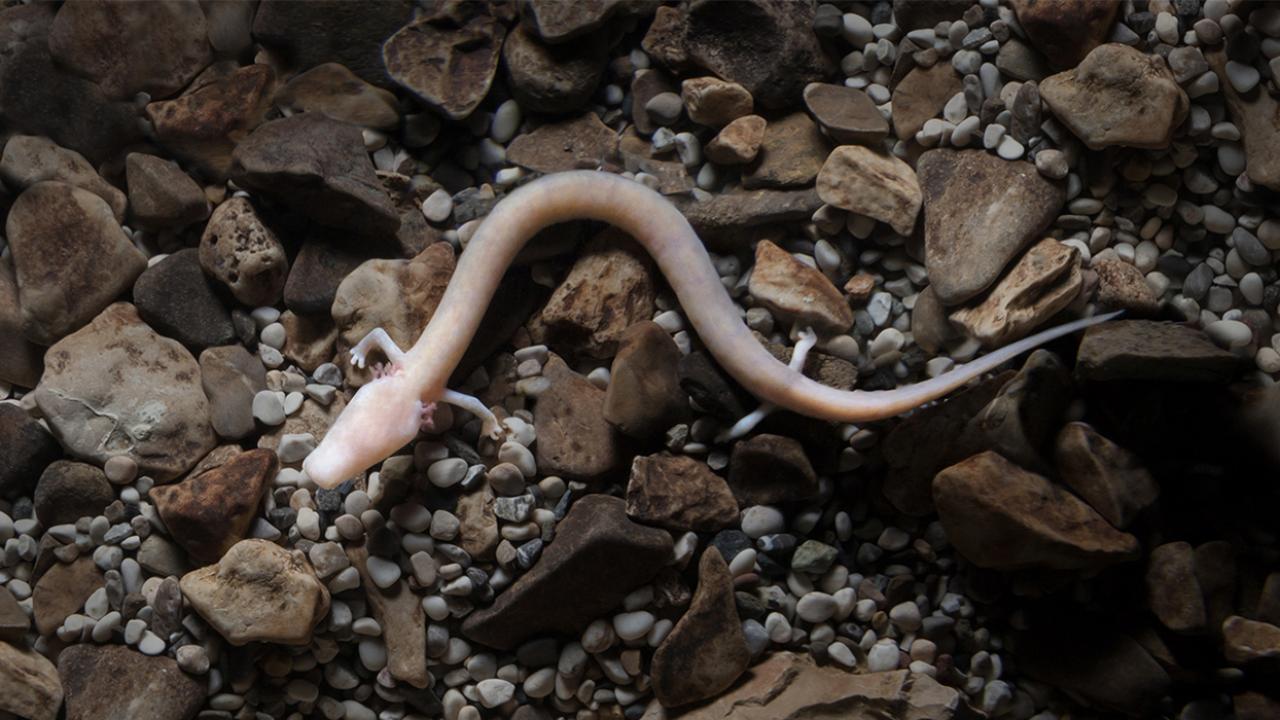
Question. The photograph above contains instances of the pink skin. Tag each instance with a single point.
(385, 415)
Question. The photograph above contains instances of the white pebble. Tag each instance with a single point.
(633, 625)
(816, 607)
(883, 656)
(438, 206)
(384, 573)
(268, 408)
(494, 692)
(1230, 334)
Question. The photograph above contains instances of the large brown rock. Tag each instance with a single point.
(218, 110)
(597, 557)
(580, 143)
(61, 591)
(29, 159)
(209, 512)
(154, 47)
(161, 195)
(871, 183)
(796, 292)
(1118, 96)
(1245, 640)
(29, 684)
(644, 396)
(259, 592)
(706, 650)
(404, 624)
(766, 469)
(921, 95)
(1111, 479)
(1150, 350)
(1044, 281)
(980, 211)
(1002, 517)
(680, 493)
(63, 285)
(1173, 593)
(552, 78)
(319, 167)
(101, 401)
(447, 61)
(1257, 115)
(399, 296)
(609, 288)
(113, 682)
(574, 439)
(1067, 30)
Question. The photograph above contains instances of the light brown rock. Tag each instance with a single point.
(310, 339)
(399, 296)
(1122, 286)
(714, 102)
(231, 377)
(796, 292)
(61, 591)
(706, 651)
(574, 439)
(259, 592)
(737, 143)
(679, 493)
(332, 89)
(116, 387)
(1245, 640)
(582, 143)
(847, 114)
(404, 624)
(1044, 281)
(871, 183)
(980, 211)
(1111, 479)
(791, 154)
(1118, 95)
(478, 526)
(62, 285)
(161, 195)
(29, 684)
(449, 65)
(609, 288)
(921, 95)
(241, 252)
(29, 159)
(209, 512)
(1002, 517)
(1173, 593)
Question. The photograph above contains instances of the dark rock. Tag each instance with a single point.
(61, 591)
(14, 623)
(679, 493)
(574, 439)
(767, 469)
(1173, 594)
(1111, 479)
(113, 682)
(597, 557)
(552, 78)
(212, 511)
(847, 114)
(1150, 350)
(26, 449)
(161, 195)
(1022, 419)
(321, 31)
(645, 86)
(315, 275)
(319, 167)
(21, 361)
(557, 22)
(334, 90)
(1104, 668)
(174, 297)
(581, 143)
(706, 651)
(644, 396)
(1066, 31)
(730, 214)
(791, 154)
(703, 381)
(913, 14)
(446, 60)
(68, 491)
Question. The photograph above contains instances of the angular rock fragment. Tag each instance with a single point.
(212, 511)
(1041, 283)
(678, 492)
(871, 183)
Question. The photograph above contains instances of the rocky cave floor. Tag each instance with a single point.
(206, 205)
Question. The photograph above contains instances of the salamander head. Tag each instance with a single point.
(384, 416)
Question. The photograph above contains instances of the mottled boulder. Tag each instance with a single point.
(1122, 286)
(574, 439)
(29, 684)
(706, 650)
(176, 298)
(161, 195)
(154, 47)
(1044, 281)
(28, 159)
(680, 493)
(101, 401)
(113, 682)
(644, 396)
(259, 592)
(62, 285)
(597, 557)
(796, 292)
(964, 191)
(319, 167)
(446, 60)
(1000, 516)
(213, 510)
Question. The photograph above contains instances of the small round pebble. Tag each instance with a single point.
(193, 659)
(384, 573)
(883, 656)
(761, 520)
(120, 469)
(268, 408)
(494, 692)
(665, 108)
(816, 607)
(1230, 334)
(633, 625)
(438, 206)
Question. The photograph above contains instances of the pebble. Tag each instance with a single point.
(841, 653)
(665, 108)
(816, 607)
(760, 520)
(120, 469)
(268, 408)
(494, 692)
(1010, 149)
(437, 207)
(633, 625)
(193, 659)
(151, 644)
(883, 656)
(506, 121)
(447, 473)
(1230, 334)
(1242, 77)
(384, 573)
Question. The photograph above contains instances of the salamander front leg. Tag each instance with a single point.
(808, 338)
(377, 338)
(489, 426)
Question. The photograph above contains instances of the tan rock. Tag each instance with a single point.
(644, 397)
(404, 624)
(399, 296)
(1066, 31)
(310, 339)
(161, 195)
(714, 102)
(739, 141)
(259, 592)
(847, 114)
(29, 159)
(679, 493)
(582, 143)
(244, 254)
(797, 292)
(449, 65)
(791, 154)
(334, 90)
(29, 684)
(94, 386)
(1118, 95)
(1002, 517)
(574, 439)
(478, 526)
(210, 512)
(1111, 479)
(706, 651)
(1122, 286)
(921, 95)
(1257, 115)
(930, 326)
(609, 288)
(1173, 593)
(1044, 281)
(1246, 640)
(62, 590)
(871, 183)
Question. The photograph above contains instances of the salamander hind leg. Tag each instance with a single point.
(808, 338)
(490, 427)
(377, 338)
